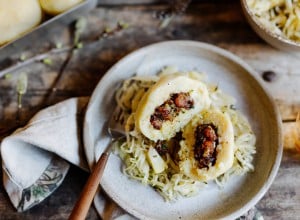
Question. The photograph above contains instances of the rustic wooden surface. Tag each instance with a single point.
(217, 22)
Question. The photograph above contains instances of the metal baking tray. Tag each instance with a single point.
(38, 35)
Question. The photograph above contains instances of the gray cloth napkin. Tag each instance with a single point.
(35, 158)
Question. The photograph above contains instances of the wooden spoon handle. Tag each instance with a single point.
(83, 204)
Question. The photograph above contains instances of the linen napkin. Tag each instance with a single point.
(36, 158)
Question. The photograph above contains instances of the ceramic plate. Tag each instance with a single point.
(234, 77)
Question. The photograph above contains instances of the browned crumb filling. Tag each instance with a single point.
(171, 108)
(205, 146)
(170, 147)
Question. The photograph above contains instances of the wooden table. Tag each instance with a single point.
(217, 22)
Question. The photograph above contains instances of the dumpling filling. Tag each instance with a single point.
(207, 147)
(178, 102)
(169, 105)
(206, 143)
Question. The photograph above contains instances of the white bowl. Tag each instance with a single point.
(270, 37)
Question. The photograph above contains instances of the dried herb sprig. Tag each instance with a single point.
(36, 58)
(59, 48)
(80, 27)
(23, 60)
(176, 7)
(21, 87)
(109, 32)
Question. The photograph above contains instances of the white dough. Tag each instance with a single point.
(225, 149)
(158, 94)
(18, 17)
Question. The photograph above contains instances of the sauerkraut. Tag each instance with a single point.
(139, 153)
(281, 17)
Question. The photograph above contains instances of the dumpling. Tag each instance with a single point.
(54, 7)
(18, 17)
(207, 148)
(169, 105)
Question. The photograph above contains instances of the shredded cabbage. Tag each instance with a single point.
(172, 184)
(279, 16)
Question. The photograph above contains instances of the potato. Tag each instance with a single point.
(224, 149)
(54, 7)
(18, 17)
(158, 94)
(157, 163)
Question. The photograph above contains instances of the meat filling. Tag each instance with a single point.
(171, 108)
(161, 147)
(170, 147)
(205, 145)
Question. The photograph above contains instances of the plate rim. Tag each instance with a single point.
(237, 60)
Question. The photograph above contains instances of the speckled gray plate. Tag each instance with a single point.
(235, 78)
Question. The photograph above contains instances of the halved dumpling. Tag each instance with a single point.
(207, 148)
(169, 105)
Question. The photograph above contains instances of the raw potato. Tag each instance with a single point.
(18, 17)
(225, 149)
(158, 94)
(54, 7)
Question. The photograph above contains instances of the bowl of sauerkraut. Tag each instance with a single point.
(275, 21)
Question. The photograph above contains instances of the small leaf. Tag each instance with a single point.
(23, 57)
(80, 25)
(165, 22)
(123, 24)
(21, 87)
(7, 76)
(107, 30)
(22, 83)
(58, 45)
(47, 61)
(38, 191)
(79, 45)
